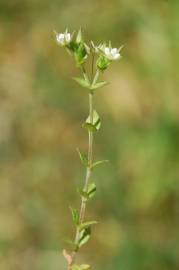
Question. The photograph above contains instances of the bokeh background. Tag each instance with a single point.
(41, 111)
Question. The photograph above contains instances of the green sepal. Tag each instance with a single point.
(84, 236)
(87, 224)
(83, 157)
(79, 37)
(72, 46)
(75, 216)
(102, 63)
(80, 54)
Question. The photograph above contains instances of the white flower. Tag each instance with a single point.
(63, 38)
(111, 53)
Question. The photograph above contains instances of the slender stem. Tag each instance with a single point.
(95, 77)
(92, 66)
(90, 159)
(84, 73)
(88, 175)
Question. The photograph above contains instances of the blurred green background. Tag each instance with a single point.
(41, 111)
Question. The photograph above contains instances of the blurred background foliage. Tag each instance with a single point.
(41, 111)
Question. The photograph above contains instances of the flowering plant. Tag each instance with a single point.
(101, 57)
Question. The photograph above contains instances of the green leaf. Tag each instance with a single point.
(75, 216)
(95, 125)
(99, 162)
(89, 126)
(84, 236)
(98, 85)
(87, 224)
(91, 190)
(82, 82)
(83, 157)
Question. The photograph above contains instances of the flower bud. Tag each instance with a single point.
(102, 63)
(80, 54)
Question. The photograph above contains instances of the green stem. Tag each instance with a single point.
(84, 73)
(95, 77)
(88, 174)
(90, 162)
(92, 67)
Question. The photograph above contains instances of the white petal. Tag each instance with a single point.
(68, 37)
(60, 38)
(61, 35)
(114, 51)
(116, 56)
(107, 51)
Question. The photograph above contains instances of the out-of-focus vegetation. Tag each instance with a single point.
(41, 112)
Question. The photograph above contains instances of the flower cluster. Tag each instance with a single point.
(105, 54)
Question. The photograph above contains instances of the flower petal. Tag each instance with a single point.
(116, 56)
(114, 51)
(107, 51)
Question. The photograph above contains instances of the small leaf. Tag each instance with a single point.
(91, 190)
(98, 85)
(87, 224)
(99, 162)
(89, 126)
(84, 236)
(75, 216)
(83, 157)
(82, 82)
(95, 125)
